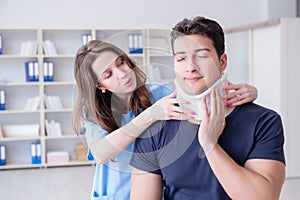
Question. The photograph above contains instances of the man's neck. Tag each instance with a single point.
(228, 110)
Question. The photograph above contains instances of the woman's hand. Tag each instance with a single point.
(213, 123)
(167, 108)
(240, 94)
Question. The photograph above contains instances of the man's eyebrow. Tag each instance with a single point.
(179, 52)
(202, 49)
(196, 50)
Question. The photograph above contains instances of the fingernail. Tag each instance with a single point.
(193, 113)
(226, 103)
(231, 105)
(224, 89)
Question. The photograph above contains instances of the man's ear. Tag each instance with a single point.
(223, 62)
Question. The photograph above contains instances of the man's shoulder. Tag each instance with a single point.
(256, 109)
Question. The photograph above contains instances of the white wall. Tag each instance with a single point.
(136, 13)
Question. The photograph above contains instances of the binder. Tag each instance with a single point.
(2, 154)
(0, 44)
(36, 155)
(85, 38)
(2, 99)
(32, 71)
(33, 153)
(48, 71)
(135, 43)
(36, 71)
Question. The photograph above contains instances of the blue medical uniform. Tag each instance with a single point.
(112, 179)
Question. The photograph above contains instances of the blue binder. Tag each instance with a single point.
(135, 43)
(48, 71)
(32, 71)
(35, 150)
(2, 154)
(2, 99)
(0, 43)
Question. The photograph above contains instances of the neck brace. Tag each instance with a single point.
(196, 100)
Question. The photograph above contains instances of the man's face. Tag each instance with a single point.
(196, 63)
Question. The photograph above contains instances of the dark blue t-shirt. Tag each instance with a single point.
(171, 149)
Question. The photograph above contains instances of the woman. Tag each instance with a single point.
(115, 105)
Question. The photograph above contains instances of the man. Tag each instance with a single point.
(230, 153)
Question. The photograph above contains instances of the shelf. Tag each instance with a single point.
(18, 91)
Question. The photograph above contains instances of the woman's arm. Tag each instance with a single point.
(118, 140)
(240, 94)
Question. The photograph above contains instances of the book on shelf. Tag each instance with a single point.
(53, 128)
(153, 73)
(49, 48)
(53, 102)
(32, 103)
(28, 48)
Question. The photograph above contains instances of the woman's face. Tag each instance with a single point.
(114, 74)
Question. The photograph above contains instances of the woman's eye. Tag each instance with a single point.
(107, 75)
(120, 62)
(179, 58)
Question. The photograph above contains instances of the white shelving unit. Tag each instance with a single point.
(18, 91)
(266, 55)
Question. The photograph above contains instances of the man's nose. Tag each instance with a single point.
(191, 65)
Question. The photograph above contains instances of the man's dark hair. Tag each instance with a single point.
(201, 26)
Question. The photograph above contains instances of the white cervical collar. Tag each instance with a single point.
(195, 100)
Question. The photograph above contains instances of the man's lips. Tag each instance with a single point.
(193, 78)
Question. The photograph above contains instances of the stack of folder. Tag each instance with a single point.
(2, 154)
(135, 43)
(2, 99)
(32, 71)
(36, 156)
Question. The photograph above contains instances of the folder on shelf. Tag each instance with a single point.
(0, 43)
(53, 128)
(49, 48)
(53, 102)
(2, 154)
(32, 71)
(2, 99)
(48, 71)
(28, 48)
(32, 103)
(85, 38)
(135, 43)
(35, 150)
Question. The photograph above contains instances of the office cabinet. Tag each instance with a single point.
(266, 55)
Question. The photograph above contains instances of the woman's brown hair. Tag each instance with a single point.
(95, 106)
